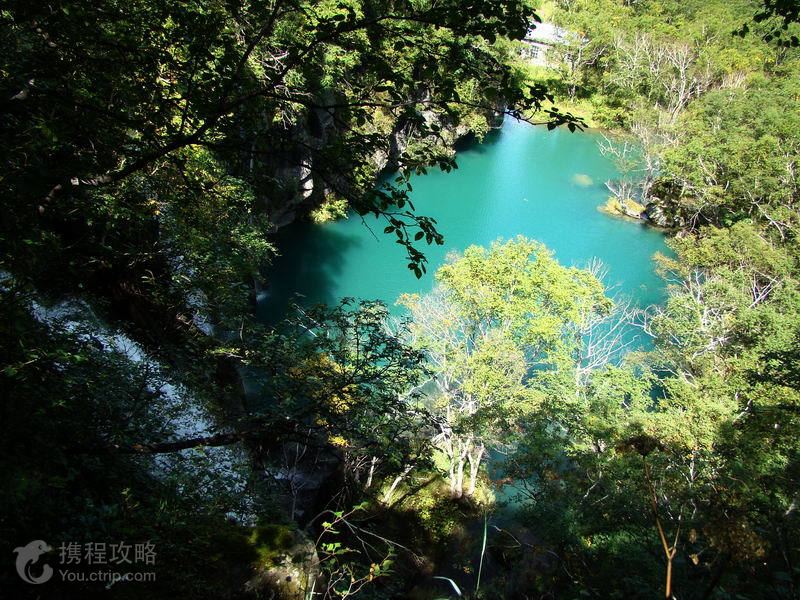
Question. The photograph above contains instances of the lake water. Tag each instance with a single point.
(525, 180)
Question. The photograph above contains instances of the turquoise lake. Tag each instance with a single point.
(546, 185)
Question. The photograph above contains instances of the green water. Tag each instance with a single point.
(525, 180)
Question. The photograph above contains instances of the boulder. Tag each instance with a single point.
(289, 567)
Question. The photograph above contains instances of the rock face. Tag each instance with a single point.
(301, 190)
(291, 573)
(449, 134)
(660, 214)
(302, 473)
(655, 214)
(628, 208)
(171, 413)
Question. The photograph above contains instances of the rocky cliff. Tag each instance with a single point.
(300, 188)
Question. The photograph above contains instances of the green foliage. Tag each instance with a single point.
(735, 154)
(266, 88)
(502, 331)
(271, 541)
(345, 572)
(330, 210)
(714, 113)
(439, 516)
(520, 287)
(149, 148)
(696, 437)
(781, 17)
(213, 236)
(345, 376)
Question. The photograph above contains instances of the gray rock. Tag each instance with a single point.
(289, 575)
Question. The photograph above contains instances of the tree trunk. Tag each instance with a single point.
(668, 586)
(451, 455)
(372, 464)
(387, 497)
(474, 467)
(460, 477)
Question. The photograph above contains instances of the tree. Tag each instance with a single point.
(637, 168)
(780, 16)
(586, 40)
(736, 157)
(677, 469)
(149, 149)
(125, 448)
(502, 325)
(267, 87)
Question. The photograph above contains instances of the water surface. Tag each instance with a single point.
(525, 180)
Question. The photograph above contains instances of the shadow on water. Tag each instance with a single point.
(471, 143)
(308, 264)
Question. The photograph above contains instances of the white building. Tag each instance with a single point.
(539, 40)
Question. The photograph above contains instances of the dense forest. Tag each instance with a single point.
(152, 150)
